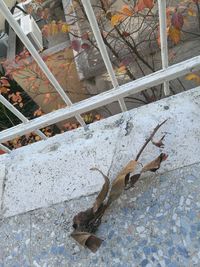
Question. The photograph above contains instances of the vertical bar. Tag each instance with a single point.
(163, 39)
(14, 24)
(4, 148)
(104, 53)
(19, 115)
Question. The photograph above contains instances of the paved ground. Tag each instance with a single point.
(155, 224)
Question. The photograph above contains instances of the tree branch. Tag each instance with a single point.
(149, 139)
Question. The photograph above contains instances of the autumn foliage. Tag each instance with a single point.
(127, 45)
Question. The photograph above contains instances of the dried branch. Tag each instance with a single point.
(149, 139)
(85, 223)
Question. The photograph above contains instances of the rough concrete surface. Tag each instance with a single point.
(58, 169)
(2, 177)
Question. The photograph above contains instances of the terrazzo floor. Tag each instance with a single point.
(157, 223)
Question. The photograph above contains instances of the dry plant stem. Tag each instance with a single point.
(149, 139)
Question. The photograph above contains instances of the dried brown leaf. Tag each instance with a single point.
(132, 180)
(155, 164)
(87, 240)
(82, 219)
(87, 222)
(149, 139)
(103, 193)
(119, 183)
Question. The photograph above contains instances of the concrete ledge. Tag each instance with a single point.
(56, 170)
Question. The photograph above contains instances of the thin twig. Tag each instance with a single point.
(149, 139)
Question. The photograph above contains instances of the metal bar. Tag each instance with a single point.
(163, 39)
(13, 23)
(104, 98)
(19, 115)
(4, 148)
(104, 53)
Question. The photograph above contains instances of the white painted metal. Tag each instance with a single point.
(4, 148)
(104, 53)
(163, 39)
(110, 96)
(19, 115)
(7, 14)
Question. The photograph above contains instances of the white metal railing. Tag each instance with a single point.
(116, 94)
(18, 114)
(97, 34)
(16, 27)
(163, 39)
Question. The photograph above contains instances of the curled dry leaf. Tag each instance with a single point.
(82, 219)
(134, 179)
(85, 223)
(119, 183)
(103, 193)
(87, 240)
(155, 164)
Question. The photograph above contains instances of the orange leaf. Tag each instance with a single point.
(149, 3)
(121, 70)
(37, 138)
(192, 12)
(175, 35)
(126, 10)
(65, 28)
(140, 6)
(193, 77)
(116, 19)
(3, 90)
(54, 28)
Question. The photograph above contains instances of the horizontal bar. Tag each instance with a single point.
(163, 39)
(16, 27)
(104, 98)
(18, 114)
(4, 148)
(104, 53)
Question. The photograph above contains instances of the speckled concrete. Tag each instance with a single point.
(157, 223)
(57, 170)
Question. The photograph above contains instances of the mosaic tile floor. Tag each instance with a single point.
(157, 223)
